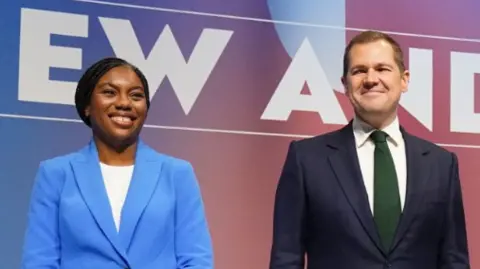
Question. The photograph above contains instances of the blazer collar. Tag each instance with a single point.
(345, 165)
(418, 175)
(362, 131)
(89, 153)
(86, 168)
(344, 162)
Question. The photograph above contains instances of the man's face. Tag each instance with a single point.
(374, 82)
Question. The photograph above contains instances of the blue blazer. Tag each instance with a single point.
(70, 223)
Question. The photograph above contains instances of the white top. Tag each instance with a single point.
(117, 181)
(365, 152)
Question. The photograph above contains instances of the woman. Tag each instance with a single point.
(116, 203)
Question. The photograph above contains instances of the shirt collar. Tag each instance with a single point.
(362, 131)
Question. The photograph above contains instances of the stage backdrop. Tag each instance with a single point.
(233, 82)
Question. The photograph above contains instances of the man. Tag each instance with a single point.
(370, 195)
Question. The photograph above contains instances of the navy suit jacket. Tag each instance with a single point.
(70, 223)
(322, 210)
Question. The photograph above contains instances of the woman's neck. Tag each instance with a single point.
(116, 155)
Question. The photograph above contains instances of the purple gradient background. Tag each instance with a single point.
(237, 173)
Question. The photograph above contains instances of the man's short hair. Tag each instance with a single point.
(370, 37)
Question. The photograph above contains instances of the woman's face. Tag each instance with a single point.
(118, 106)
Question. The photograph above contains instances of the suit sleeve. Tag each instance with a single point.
(454, 249)
(193, 244)
(41, 244)
(288, 249)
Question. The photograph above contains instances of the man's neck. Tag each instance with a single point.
(377, 122)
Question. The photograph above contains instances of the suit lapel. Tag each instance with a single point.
(142, 186)
(345, 164)
(418, 174)
(88, 176)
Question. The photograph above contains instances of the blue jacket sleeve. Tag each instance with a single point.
(41, 243)
(192, 237)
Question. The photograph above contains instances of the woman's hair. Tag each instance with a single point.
(92, 75)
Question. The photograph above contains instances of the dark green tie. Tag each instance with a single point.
(386, 201)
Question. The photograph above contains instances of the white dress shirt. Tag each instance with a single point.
(365, 152)
(117, 182)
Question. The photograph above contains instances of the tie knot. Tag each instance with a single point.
(379, 136)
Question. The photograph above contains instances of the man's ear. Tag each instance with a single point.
(344, 82)
(405, 80)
